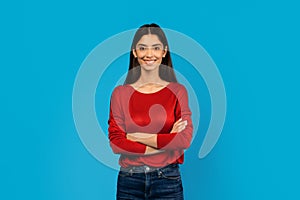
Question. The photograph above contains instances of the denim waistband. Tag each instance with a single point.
(146, 168)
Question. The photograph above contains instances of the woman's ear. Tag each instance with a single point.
(165, 51)
(134, 53)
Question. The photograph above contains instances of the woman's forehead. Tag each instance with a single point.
(149, 40)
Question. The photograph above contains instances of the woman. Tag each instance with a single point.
(150, 121)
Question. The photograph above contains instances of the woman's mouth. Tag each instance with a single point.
(149, 62)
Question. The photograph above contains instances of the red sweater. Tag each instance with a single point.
(133, 111)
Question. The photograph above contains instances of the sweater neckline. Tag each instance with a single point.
(158, 91)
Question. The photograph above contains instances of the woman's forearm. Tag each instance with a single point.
(150, 139)
(144, 138)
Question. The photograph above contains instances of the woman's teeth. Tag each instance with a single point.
(149, 62)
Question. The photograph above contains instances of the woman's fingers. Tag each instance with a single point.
(178, 121)
(179, 126)
(183, 123)
(175, 126)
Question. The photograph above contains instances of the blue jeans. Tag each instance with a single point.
(144, 182)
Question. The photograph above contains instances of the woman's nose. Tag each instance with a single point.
(149, 52)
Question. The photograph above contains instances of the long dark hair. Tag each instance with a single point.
(166, 71)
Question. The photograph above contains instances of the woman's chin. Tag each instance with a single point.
(149, 67)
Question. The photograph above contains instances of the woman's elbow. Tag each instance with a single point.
(115, 148)
(186, 144)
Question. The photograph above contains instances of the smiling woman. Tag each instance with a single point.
(150, 121)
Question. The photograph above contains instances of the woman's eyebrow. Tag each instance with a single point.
(147, 45)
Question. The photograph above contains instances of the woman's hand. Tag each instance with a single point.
(151, 150)
(179, 126)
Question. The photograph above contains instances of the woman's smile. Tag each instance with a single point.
(149, 61)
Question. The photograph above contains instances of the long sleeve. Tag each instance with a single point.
(117, 135)
(180, 140)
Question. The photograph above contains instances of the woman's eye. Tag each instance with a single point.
(157, 48)
(141, 48)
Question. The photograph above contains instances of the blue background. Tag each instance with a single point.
(255, 45)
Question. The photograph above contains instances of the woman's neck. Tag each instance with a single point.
(149, 82)
(150, 77)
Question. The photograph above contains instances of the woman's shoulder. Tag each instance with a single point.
(175, 86)
(122, 89)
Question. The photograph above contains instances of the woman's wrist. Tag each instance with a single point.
(151, 150)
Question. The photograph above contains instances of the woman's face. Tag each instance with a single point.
(149, 51)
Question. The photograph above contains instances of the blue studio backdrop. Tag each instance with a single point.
(254, 44)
